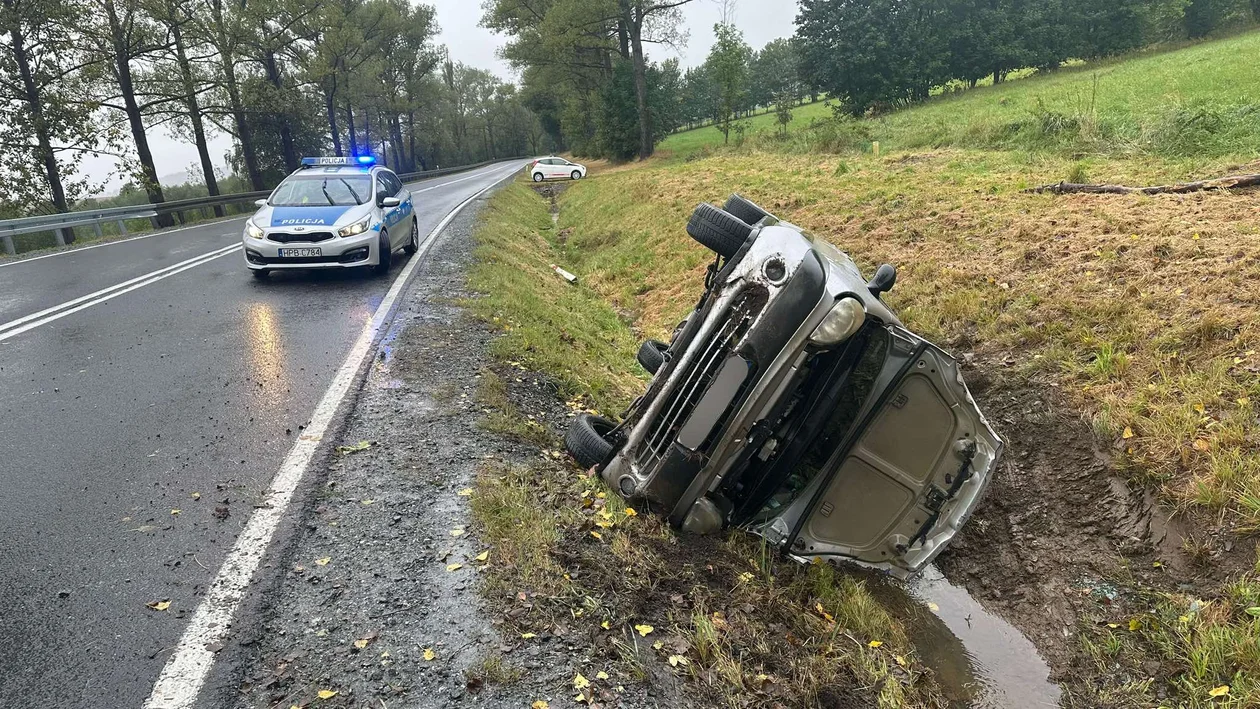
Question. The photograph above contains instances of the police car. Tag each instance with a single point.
(332, 213)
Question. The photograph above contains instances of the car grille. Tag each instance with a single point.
(684, 397)
(313, 237)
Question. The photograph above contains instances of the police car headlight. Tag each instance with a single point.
(253, 230)
(839, 325)
(356, 228)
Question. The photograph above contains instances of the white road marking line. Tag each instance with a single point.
(161, 232)
(116, 286)
(186, 670)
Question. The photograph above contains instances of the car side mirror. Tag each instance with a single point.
(884, 280)
(260, 203)
(388, 202)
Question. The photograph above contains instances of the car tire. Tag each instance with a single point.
(576, 174)
(718, 230)
(260, 273)
(414, 244)
(744, 210)
(652, 355)
(538, 177)
(587, 440)
(383, 263)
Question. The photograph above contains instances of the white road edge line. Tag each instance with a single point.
(160, 232)
(186, 670)
(107, 289)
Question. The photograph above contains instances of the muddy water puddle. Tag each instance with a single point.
(981, 661)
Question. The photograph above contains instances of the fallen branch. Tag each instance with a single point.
(1232, 182)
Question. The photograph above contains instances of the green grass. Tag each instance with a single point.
(686, 142)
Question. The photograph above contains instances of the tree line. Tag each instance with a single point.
(883, 54)
(283, 79)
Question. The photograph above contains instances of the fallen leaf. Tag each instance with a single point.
(527, 636)
(933, 607)
(745, 577)
(597, 535)
(1128, 433)
(457, 532)
(580, 682)
(467, 492)
(580, 698)
(327, 693)
(630, 512)
(1198, 408)
(368, 502)
(324, 561)
(875, 643)
(175, 512)
(361, 643)
(429, 655)
(1219, 691)
(196, 496)
(1135, 624)
(483, 555)
(658, 645)
(603, 523)
(604, 625)
(1183, 619)
(159, 605)
(1201, 444)
(1113, 626)
(454, 567)
(360, 446)
(900, 660)
(644, 630)
(601, 675)
(1157, 564)
(676, 660)
(540, 704)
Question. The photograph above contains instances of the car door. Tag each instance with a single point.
(389, 215)
(557, 168)
(899, 481)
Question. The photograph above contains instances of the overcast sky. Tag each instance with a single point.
(760, 21)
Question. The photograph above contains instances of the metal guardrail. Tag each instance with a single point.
(58, 223)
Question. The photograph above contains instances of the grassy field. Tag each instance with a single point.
(690, 141)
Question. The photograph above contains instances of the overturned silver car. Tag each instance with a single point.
(794, 404)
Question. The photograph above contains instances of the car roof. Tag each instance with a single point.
(316, 170)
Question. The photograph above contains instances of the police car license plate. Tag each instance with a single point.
(300, 253)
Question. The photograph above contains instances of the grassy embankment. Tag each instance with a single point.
(1140, 311)
(747, 628)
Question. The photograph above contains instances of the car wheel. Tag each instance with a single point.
(652, 355)
(414, 244)
(538, 177)
(744, 210)
(587, 440)
(718, 230)
(382, 267)
(260, 273)
(577, 174)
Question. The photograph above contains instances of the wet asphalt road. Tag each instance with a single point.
(185, 395)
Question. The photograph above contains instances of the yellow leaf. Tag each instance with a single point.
(601, 495)
(580, 698)
(933, 607)
(1113, 626)
(196, 496)
(900, 660)
(457, 532)
(159, 605)
(603, 523)
(540, 704)
(875, 643)
(467, 492)
(601, 675)
(1157, 564)
(361, 643)
(604, 625)
(1238, 360)
(174, 512)
(745, 577)
(1243, 401)
(429, 655)
(327, 693)
(1201, 444)
(1198, 408)
(1195, 237)
(580, 682)
(1135, 624)
(658, 645)
(1128, 432)
(1219, 691)
(454, 567)
(527, 636)
(644, 630)
(630, 512)
(676, 660)
(597, 535)
(1183, 619)
(483, 555)
(368, 502)
(324, 561)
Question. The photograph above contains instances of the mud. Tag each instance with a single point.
(1062, 540)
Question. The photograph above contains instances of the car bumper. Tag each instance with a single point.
(340, 252)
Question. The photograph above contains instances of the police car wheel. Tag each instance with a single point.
(382, 266)
(537, 177)
(414, 244)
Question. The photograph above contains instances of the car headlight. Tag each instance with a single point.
(253, 230)
(356, 228)
(839, 325)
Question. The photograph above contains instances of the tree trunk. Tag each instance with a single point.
(35, 105)
(227, 58)
(194, 116)
(640, 82)
(623, 38)
(400, 155)
(354, 140)
(331, 107)
(286, 133)
(122, 72)
(411, 140)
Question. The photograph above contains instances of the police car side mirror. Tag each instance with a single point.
(260, 203)
(390, 202)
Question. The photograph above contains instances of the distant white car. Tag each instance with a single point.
(552, 168)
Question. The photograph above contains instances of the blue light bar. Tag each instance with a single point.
(339, 162)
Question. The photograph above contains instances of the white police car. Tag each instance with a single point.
(332, 213)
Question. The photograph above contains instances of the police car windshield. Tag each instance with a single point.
(323, 191)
